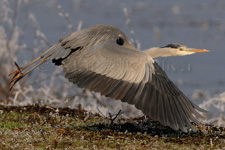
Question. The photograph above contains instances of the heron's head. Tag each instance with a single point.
(177, 49)
(174, 49)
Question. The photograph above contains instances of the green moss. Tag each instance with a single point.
(77, 123)
(10, 125)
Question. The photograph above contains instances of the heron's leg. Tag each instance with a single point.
(18, 73)
(24, 67)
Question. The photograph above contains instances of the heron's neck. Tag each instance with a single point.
(156, 52)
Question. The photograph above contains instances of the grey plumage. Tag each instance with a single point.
(102, 60)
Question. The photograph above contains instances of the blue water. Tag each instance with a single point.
(197, 24)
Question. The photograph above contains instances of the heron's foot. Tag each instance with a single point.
(16, 77)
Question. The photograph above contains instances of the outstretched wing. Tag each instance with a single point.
(133, 77)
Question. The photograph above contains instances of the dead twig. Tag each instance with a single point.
(113, 119)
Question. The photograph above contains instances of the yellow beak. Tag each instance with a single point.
(197, 50)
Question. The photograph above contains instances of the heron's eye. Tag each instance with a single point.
(120, 41)
(181, 49)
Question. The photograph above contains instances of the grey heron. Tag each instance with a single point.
(102, 59)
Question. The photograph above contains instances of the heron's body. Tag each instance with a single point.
(101, 59)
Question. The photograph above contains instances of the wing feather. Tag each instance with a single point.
(132, 77)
